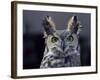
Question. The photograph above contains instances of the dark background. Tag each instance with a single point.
(33, 42)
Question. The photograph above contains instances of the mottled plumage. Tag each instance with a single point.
(62, 47)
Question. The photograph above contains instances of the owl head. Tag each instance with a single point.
(57, 41)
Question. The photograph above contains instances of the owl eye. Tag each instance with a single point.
(54, 39)
(70, 38)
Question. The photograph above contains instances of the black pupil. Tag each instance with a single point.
(70, 38)
(54, 39)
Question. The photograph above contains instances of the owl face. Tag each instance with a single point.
(61, 41)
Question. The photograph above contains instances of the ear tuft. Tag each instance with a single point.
(74, 25)
(49, 25)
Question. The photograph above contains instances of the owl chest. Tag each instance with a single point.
(54, 60)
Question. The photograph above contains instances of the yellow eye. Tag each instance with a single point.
(70, 38)
(54, 39)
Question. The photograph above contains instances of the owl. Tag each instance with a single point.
(62, 48)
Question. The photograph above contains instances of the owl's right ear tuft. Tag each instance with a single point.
(49, 26)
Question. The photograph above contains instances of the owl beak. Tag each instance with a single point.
(62, 46)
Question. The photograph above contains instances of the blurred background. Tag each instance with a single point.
(33, 42)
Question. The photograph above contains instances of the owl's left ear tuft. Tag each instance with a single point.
(74, 25)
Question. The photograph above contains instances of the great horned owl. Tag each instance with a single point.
(62, 47)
